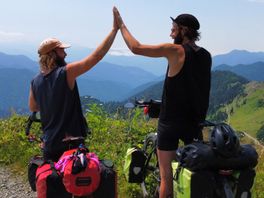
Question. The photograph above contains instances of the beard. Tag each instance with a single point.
(179, 39)
(60, 62)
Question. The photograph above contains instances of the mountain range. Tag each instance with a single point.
(17, 61)
(107, 81)
(252, 71)
(14, 90)
(236, 57)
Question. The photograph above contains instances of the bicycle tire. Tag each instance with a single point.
(151, 170)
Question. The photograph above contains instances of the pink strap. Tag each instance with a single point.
(61, 164)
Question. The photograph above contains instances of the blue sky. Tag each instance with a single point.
(225, 24)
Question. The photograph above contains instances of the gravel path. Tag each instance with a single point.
(14, 186)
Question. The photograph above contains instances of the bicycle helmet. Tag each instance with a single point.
(224, 140)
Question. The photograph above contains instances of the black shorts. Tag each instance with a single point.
(169, 134)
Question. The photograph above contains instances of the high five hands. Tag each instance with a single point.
(117, 17)
(115, 21)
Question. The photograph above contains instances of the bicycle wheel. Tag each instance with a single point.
(150, 186)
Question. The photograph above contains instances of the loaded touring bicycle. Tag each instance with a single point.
(218, 168)
(78, 172)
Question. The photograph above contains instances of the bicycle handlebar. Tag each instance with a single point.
(142, 103)
(32, 118)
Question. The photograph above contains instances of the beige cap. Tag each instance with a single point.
(50, 44)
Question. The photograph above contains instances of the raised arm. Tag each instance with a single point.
(162, 50)
(77, 68)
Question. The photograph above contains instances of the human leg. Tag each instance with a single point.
(167, 144)
(166, 176)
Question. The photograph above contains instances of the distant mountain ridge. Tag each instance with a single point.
(236, 57)
(103, 71)
(14, 89)
(17, 61)
(132, 76)
(225, 85)
(107, 81)
(155, 65)
(253, 71)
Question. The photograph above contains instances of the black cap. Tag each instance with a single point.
(187, 20)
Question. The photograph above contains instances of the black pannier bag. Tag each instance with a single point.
(33, 165)
(108, 183)
(193, 184)
(197, 176)
(135, 160)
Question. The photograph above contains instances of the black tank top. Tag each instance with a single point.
(185, 97)
(60, 108)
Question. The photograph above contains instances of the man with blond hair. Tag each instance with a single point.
(54, 93)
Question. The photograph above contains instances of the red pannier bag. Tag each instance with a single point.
(81, 171)
(49, 182)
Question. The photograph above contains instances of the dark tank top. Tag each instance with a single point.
(185, 97)
(60, 108)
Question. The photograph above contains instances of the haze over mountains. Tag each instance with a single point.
(115, 81)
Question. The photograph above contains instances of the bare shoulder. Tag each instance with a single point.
(172, 46)
(175, 50)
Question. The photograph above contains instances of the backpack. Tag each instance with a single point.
(81, 171)
(49, 182)
(108, 184)
(134, 165)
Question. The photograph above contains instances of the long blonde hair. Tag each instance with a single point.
(47, 62)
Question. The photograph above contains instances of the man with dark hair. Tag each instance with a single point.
(186, 89)
(54, 93)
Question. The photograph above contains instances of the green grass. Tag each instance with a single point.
(247, 115)
(111, 137)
